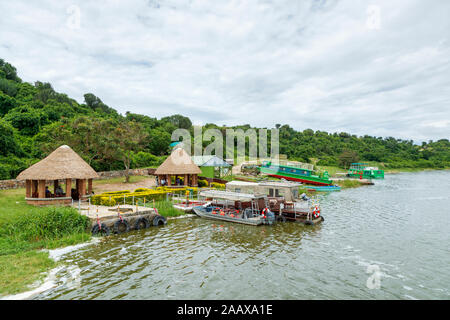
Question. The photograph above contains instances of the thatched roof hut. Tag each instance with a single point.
(62, 164)
(179, 163)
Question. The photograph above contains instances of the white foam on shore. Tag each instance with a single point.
(56, 254)
(181, 217)
(49, 282)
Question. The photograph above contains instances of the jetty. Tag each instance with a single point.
(120, 219)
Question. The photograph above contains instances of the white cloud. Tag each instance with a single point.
(310, 64)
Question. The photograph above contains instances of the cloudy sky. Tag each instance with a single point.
(365, 67)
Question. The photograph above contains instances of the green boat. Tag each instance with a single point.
(295, 174)
(362, 170)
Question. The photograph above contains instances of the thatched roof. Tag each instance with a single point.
(179, 162)
(63, 163)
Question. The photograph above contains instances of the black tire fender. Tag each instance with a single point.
(159, 221)
(102, 229)
(141, 223)
(309, 223)
(119, 224)
(281, 218)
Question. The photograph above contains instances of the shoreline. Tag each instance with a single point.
(56, 254)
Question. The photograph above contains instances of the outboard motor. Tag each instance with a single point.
(270, 218)
(303, 196)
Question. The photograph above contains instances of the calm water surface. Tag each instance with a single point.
(400, 226)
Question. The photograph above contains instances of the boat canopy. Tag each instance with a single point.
(229, 195)
(280, 184)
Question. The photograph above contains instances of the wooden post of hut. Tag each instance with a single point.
(28, 187)
(61, 164)
(89, 186)
(69, 188)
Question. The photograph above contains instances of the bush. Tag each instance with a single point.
(202, 183)
(107, 201)
(142, 189)
(217, 185)
(49, 224)
(140, 195)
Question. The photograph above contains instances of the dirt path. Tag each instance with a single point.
(107, 187)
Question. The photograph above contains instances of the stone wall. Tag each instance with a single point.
(14, 184)
(121, 173)
(11, 184)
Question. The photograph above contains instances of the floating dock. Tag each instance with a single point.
(120, 219)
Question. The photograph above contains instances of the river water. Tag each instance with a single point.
(388, 241)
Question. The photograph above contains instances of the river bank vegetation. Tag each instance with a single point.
(25, 230)
(35, 120)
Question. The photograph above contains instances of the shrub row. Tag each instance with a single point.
(139, 195)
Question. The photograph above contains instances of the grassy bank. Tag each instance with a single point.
(166, 209)
(133, 179)
(24, 230)
(349, 183)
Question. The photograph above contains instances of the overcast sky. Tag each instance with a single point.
(366, 67)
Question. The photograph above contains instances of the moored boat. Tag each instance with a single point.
(295, 174)
(363, 171)
(235, 207)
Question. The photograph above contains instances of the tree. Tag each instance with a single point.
(96, 104)
(8, 71)
(128, 137)
(6, 103)
(347, 157)
(8, 142)
(26, 119)
(178, 121)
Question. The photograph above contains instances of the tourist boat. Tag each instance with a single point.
(294, 173)
(235, 207)
(280, 197)
(363, 171)
(305, 211)
(283, 199)
(323, 188)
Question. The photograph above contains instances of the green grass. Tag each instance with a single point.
(24, 230)
(166, 209)
(133, 179)
(348, 183)
(20, 270)
(331, 170)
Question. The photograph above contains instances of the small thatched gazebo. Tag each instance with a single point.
(62, 164)
(178, 165)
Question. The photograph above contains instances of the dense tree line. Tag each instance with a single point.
(35, 119)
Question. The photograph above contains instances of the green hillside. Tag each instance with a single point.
(35, 119)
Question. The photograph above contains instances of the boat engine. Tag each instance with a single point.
(270, 218)
(303, 196)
